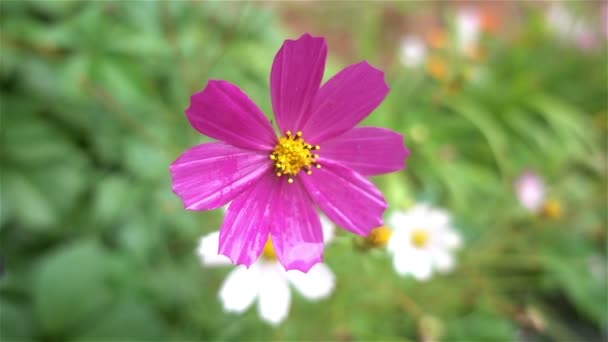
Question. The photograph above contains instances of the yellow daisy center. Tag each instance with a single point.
(292, 154)
(269, 253)
(379, 236)
(420, 238)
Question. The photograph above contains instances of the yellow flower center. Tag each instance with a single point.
(420, 237)
(292, 154)
(379, 236)
(269, 253)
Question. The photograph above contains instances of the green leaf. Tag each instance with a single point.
(16, 322)
(71, 286)
(111, 199)
(30, 206)
(130, 320)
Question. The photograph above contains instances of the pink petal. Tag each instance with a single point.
(344, 101)
(367, 150)
(224, 112)
(296, 228)
(246, 225)
(346, 197)
(210, 175)
(295, 78)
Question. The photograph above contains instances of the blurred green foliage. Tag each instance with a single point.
(95, 246)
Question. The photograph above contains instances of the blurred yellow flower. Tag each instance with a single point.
(438, 68)
(379, 237)
(552, 209)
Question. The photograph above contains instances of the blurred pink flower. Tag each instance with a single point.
(530, 190)
(605, 19)
(584, 36)
(265, 176)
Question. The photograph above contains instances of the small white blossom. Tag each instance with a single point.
(267, 281)
(412, 51)
(422, 240)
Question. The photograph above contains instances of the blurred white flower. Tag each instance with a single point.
(412, 51)
(570, 29)
(422, 240)
(559, 20)
(530, 190)
(468, 29)
(597, 266)
(266, 280)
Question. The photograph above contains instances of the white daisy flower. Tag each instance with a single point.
(422, 240)
(412, 51)
(266, 280)
(530, 190)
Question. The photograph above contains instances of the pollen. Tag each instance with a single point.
(293, 154)
(420, 238)
(380, 236)
(269, 253)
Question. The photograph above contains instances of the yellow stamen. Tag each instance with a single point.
(420, 238)
(379, 236)
(292, 154)
(269, 253)
(552, 209)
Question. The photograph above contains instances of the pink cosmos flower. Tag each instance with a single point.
(319, 159)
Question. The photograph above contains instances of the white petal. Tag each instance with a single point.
(240, 289)
(318, 283)
(397, 219)
(328, 229)
(399, 240)
(450, 239)
(416, 263)
(443, 260)
(275, 297)
(418, 216)
(423, 269)
(208, 251)
(438, 218)
(420, 209)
